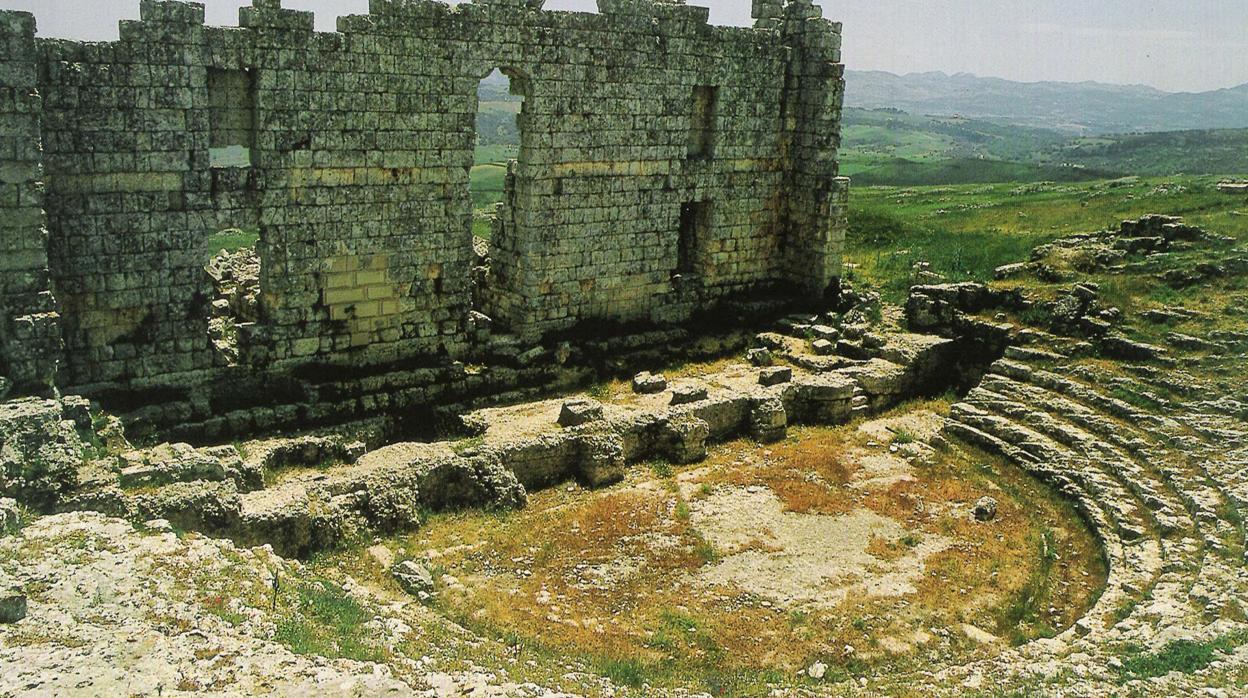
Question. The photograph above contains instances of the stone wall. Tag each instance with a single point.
(665, 165)
(30, 335)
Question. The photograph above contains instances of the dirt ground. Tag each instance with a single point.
(852, 546)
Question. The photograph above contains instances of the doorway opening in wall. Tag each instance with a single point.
(695, 224)
(232, 260)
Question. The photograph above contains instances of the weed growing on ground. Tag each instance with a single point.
(1184, 656)
(318, 617)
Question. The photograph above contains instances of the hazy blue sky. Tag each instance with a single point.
(1171, 44)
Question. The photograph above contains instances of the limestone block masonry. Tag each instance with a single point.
(665, 165)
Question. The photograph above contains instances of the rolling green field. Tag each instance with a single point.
(891, 147)
(966, 231)
(487, 177)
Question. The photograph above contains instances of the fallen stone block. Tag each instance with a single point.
(530, 357)
(646, 383)
(985, 509)
(577, 412)
(775, 376)
(825, 332)
(1010, 271)
(687, 393)
(823, 347)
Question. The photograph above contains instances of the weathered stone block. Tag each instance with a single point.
(684, 439)
(602, 459)
(775, 376)
(686, 393)
(577, 412)
(759, 357)
(414, 578)
(768, 420)
(646, 383)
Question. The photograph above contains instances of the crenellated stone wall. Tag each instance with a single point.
(665, 165)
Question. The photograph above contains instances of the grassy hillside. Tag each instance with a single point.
(969, 171)
(891, 133)
(1191, 152)
(889, 147)
(967, 231)
(1078, 108)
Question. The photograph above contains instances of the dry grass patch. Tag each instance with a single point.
(615, 577)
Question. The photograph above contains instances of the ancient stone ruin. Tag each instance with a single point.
(667, 168)
(644, 441)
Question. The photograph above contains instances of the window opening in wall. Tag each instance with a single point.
(695, 224)
(702, 124)
(500, 104)
(231, 117)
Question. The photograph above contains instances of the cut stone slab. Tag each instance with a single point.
(775, 376)
(646, 383)
(825, 332)
(686, 393)
(768, 420)
(577, 412)
(823, 347)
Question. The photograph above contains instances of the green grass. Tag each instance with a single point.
(320, 618)
(901, 171)
(625, 672)
(903, 436)
(889, 146)
(496, 154)
(1184, 656)
(1193, 152)
(231, 240)
(1022, 617)
(486, 182)
(966, 231)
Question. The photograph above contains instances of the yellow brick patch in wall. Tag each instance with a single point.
(358, 291)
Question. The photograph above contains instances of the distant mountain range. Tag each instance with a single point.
(1079, 108)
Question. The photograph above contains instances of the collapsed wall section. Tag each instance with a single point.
(665, 165)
